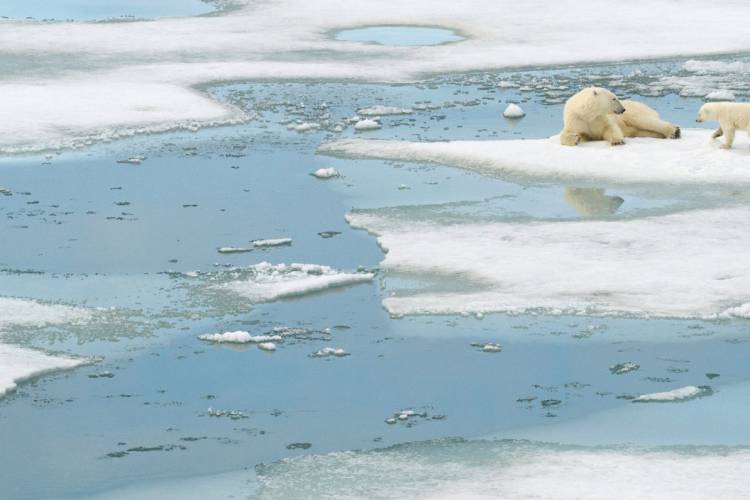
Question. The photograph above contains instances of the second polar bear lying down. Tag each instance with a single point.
(595, 114)
(730, 115)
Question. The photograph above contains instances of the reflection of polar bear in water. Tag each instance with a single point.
(730, 115)
(592, 202)
(595, 113)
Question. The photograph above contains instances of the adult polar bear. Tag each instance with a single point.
(595, 113)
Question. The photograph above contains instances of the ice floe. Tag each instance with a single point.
(367, 124)
(274, 242)
(79, 82)
(25, 313)
(384, 110)
(329, 351)
(18, 364)
(682, 394)
(687, 264)
(691, 160)
(514, 111)
(239, 337)
(458, 469)
(720, 95)
(267, 346)
(267, 282)
(304, 126)
(234, 249)
(325, 173)
(625, 367)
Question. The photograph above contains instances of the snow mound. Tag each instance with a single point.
(267, 282)
(689, 264)
(694, 159)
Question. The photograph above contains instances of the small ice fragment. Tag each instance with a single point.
(383, 110)
(328, 234)
(514, 111)
(505, 84)
(720, 95)
(272, 242)
(5, 192)
(303, 127)
(390, 421)
(267, 346)
(403, 416)
(490, 347)
(133, 160)
(325, 173)
(621, 368)
(367, 124)
(329, 351)
(234, 249)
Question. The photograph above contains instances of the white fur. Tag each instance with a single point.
(730, 115)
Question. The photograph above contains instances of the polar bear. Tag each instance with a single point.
(595, 113)
(730, 115)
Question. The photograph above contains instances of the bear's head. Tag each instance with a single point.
(707, 112)
(605, 101)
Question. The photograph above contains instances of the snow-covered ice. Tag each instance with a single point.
(514, 111)
(379, 110)
(329, 351)
(694, 159)
(18, 364)
(234, 249)
(720, 95)
(682, 394)
(690, 264)
(267, 346)
(116, 79)
(367, 124)
(304, 126)
(273, 242)
(239, 337)
(268, 282)
(325, 173)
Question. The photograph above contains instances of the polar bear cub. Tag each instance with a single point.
(730, 115)
(595, 113)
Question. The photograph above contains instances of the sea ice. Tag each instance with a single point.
(689, 264)
(267, 346)
(329, 351)
(682, 394)
(275, 242)
(234, 250)
(18, 364)
(367, 124)
(694, 159)
(383, 110)
(720, 95)
(239, 337)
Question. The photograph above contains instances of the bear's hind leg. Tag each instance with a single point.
(661, 129)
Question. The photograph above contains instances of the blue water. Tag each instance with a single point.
(399, 35)
(95, 10)
(100, 233)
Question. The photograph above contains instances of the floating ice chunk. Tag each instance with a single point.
(720, 95)
(31, 313)
(514, 111)
(18, 364)
(682, 394)
(383, 110)
(234, 250)
(490, 347)
(741, 311)
(230, 414)
(367, 124)
(268, 282)
(329, 351)
(505, 84)
(267, 346)
(626, 367)
(277, 242)
(5, 192)
(706, 66)
(133, 160)
(325, 173)
(304, 126)
(657, 266)
(693, 159)
(239, 337)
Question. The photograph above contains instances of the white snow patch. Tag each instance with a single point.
(691, 160)
(720, 95)
(239, 337)
(278, 281)
(514, 111)
(681, 394)
(384, 110)
(274, 242)
(367, 124)
(689, 264)
(325, 173)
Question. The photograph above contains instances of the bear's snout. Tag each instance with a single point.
(620, 111)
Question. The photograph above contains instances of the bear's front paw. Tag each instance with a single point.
(676, 134)
(725, 146)
(616, 142)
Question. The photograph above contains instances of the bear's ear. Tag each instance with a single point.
(595, 92)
